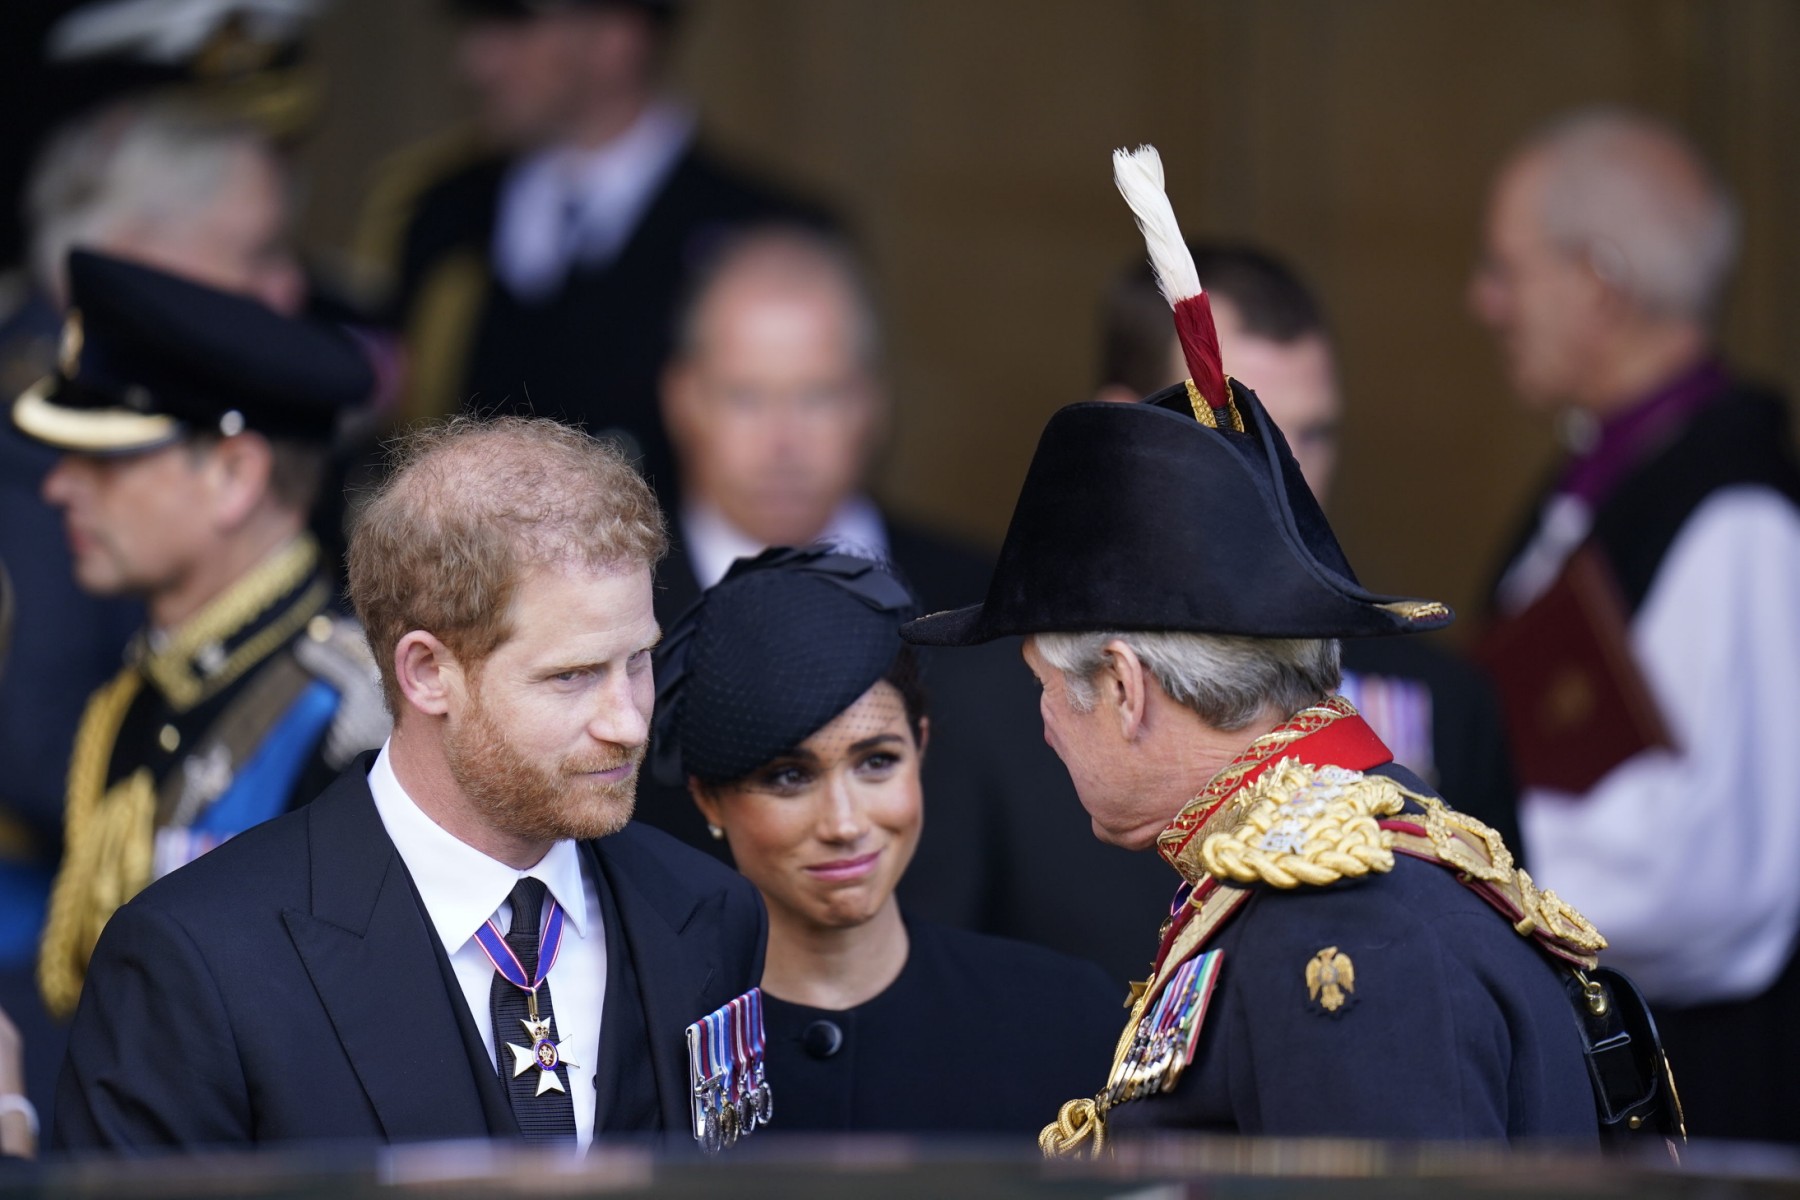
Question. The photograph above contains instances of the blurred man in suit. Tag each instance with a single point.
(534, 268)
(1437, 713)
(1606, 252)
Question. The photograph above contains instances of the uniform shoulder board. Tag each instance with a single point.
(333, 649)
(1480, 859)
(1298, 824)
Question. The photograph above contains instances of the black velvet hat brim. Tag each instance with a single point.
(1136, 517)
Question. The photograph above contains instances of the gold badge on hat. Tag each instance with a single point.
(68, 355)
(1330, 979)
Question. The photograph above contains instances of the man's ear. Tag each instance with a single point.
(430, 678)
(238, 468)
(1122, 688)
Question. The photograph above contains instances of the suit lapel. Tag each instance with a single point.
(675, 956)
(374, 964)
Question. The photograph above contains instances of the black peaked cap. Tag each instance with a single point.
(1137, 517)
(147, 356)
(770, 655)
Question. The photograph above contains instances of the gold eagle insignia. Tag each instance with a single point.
(1300, 824)
(1330, 979)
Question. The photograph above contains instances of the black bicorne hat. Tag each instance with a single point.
(148, 356)
(1185, 512)
(1139, 517)
(770, 655)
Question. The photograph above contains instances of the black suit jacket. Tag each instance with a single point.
(288, 986)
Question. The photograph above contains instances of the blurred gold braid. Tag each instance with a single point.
(109, 834)
(107, 860)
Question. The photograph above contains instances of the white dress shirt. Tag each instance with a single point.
(462, 887)
(564, 206)
(1684, 858)
(713, 543)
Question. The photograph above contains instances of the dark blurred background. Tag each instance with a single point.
(967, 146)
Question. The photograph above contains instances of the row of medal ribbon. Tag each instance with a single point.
(1167, 1036)
(725, 1064)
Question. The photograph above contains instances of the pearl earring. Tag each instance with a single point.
(717, 833)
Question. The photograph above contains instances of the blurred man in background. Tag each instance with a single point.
(1646, 642)
(1437, 713)
(192, 426)
(775, 405)
(200, 194)
(537, 272)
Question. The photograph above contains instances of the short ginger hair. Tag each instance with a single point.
(470, 507)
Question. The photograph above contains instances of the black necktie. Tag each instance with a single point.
(547, 1118)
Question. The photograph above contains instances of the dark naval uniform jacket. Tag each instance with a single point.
(1353, 965)
(250, 708)
(288, 987)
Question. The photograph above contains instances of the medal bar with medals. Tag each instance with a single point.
(544, 1052)
(731, 1094)
(1165, 1041)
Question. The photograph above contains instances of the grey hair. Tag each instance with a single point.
(1226, 680)
(158, 162)
(788, 254)
(1637, 199)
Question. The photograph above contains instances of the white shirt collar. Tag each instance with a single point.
(714, 543)
(535, 238)
(460, 886)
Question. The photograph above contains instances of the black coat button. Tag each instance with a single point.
(822, 1039)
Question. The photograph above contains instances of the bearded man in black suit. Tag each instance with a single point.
(338, 975)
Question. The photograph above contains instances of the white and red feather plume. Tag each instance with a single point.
(1139, 176)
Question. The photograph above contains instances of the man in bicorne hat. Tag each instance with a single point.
(192, 426)
(1334, 965)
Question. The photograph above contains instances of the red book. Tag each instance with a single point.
(1576, 703)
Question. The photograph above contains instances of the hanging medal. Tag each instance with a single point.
(544, 1050)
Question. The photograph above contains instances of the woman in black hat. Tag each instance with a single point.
(789, 706)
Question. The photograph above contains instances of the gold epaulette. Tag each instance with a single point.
(1481, 860)
(1300, 824)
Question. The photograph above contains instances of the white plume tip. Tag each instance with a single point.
(1139, 176)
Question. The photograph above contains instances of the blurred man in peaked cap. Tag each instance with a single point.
(191, 424)
(1333, 964)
